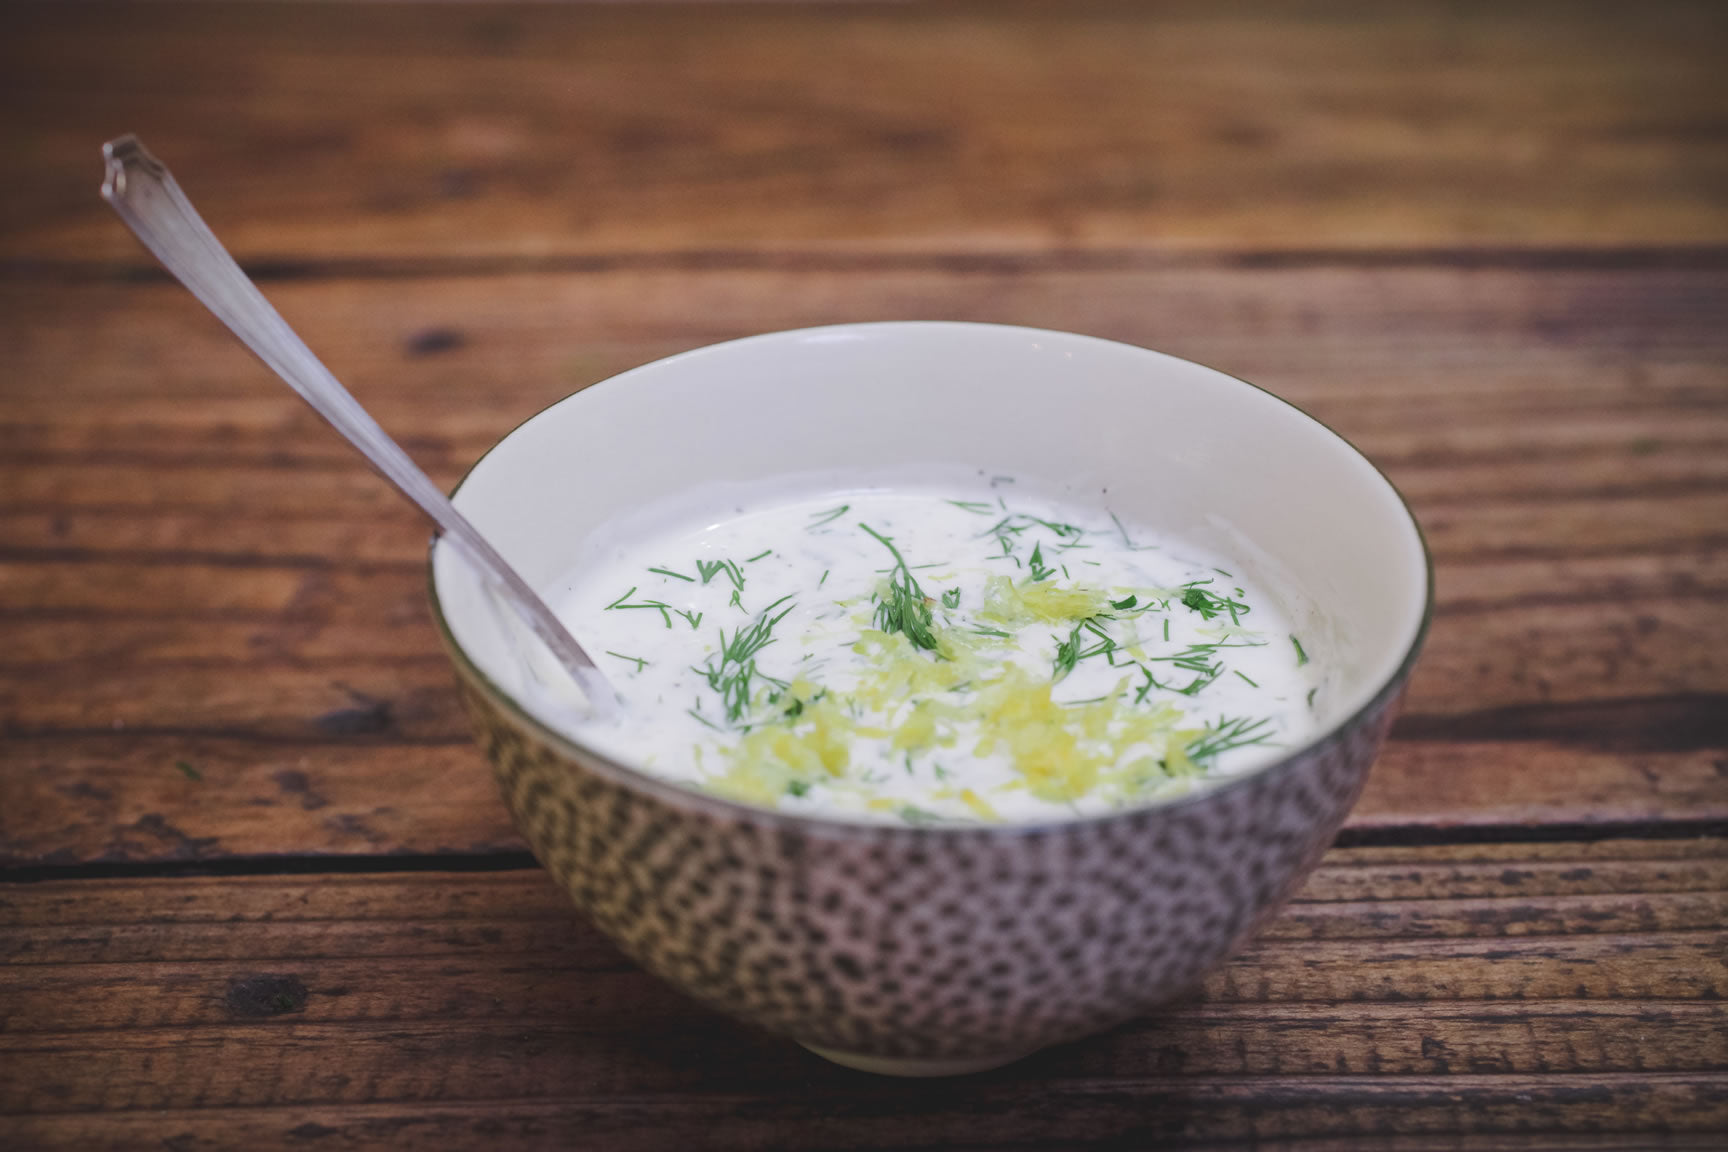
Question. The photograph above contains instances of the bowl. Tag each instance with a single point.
(938, 950)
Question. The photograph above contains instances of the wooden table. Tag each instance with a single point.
(258, 890)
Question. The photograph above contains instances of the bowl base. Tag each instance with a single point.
(899, 1066)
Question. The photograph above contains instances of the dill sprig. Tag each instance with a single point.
(1037, 570)
(1228, 734)
(730, 671)
(905, 609)
(674, 575)
(977, 507)
(827, 517)
(659, 606)
(636, 660)
(1210, 605)
(1204, 674)
(1073, 649)
(1301, 656)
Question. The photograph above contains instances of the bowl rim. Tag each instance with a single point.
(690, 797)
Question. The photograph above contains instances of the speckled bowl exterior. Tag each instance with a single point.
(945, 945)
(936, 950)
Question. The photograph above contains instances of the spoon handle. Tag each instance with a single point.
(144, 193)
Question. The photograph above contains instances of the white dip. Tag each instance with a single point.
(937, 656)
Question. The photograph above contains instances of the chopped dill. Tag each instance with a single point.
(905, 609)
(917, 816)
(709, 569)
(1210, 605)
(951, 598)
(185, 769)
(1203, 676)
(636, 660)
(1311, 692)
(1072, 650)
(824, 579)
(1038, 571)
(1123, 605)
(759, 555)
(1226, 735)
(828, 517)
(658, 606)
(730, 671)
(1244, 676)
(674, 575)
(1301, 656)
(797, 787)
(1126, 542)
(735, 602)
(693, 618)
(977, 507)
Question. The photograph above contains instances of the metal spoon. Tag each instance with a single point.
(141, 190)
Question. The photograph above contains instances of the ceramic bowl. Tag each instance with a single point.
(932, 950)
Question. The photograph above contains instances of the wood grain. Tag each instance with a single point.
(1486, 242)
(1561, 432)
(528, 131)
(1583, 979)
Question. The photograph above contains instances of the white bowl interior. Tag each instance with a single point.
(1163, 441)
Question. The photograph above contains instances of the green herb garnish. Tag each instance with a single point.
(828, 517)
(1038, 570)
(1226, 735)
(1301, 656)
(730, 671)
(619, 605)
(1073, 650)
(905, 609)
(674, 575)
(636, 660)
(1210, 605)
(189, 772)
(951, 598)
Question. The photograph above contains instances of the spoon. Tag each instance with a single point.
(139, 187)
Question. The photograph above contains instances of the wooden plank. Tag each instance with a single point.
(1380, 340)
(1407, 990)
(993, 1115)
(119, 796)
(571, 130)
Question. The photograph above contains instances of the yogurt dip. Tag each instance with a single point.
(933, 655)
